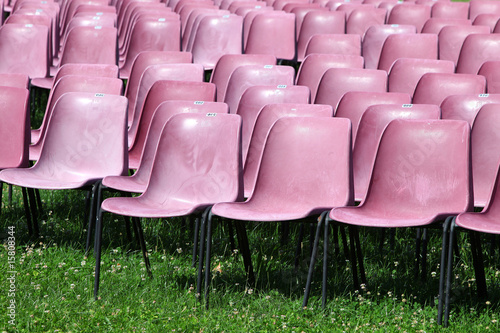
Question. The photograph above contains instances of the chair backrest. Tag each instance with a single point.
(14, 127)
(24, 48)
(476, 50)
(193, 22)
(451, 39)
(142, 154)
(265, 120)
(273, 33)
(485, 144)
(421, 46)
(318, 22)
(291, 146)
(483, 7)
(371, 126)
(198, 160)
(488, 20)
(404, 13)
(99, 70)
(338, 81)
(90, 45)
(15, 80)
(354, 103)
(152, 35)
(146, 59)
(334, 44)
(422, 170)
(217, 35)
(435, 24)
(406, 72)
(363, 18)
(491, 71)
(163, 90)
(256, 97)
(246, 76)
(466, 107)
(375, 38)
(85, 139)
(452, 9)
(229, 62)
(314, 66)
(433, 88)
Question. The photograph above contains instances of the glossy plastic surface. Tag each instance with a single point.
(407, 13)
(476, 50)
(452, 38)
(466, 107)
(334, 44)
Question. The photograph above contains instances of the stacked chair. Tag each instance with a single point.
(327, 112)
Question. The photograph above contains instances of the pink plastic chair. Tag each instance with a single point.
(176, 188)
(85, 141)
(433, 88)
(183, 73)
(151, 35)
(375, 38)
(314, 66)
(338, 81)
(435, 24)
(334, 44)
(273, 33)
(216, 36)
(354, 103)
(143, 61)
(141, 155)
(291, 144)
(483, 7)
(363, 18)
(246, 76)
(371, 126)
(406, 72)
(420, 46)
(476, 50)
(300, 11)
(452, 38)
(318, 22)
(193, 22)
(409, 14)
(409, 156)
(466, 107)
(452, 9)
(24, 49)
(229, 62)
(163, 90)
(491, 71)
(257, 97)
(489, 20)
(15, 135)
(267, 116)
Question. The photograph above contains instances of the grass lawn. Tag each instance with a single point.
(54, 281)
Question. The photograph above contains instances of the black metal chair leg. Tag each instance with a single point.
(449, 273)
(38, 200)
(312, 262)
(27, 210)
(140, 234)
(231, 235)
(97, 251)
(245, 251)
(324, 285)
(442, 268)
(299, 247)
(208, 254)
(195, 240)
(353, 257)
(34, 213)
(418, 242)
(200, 255)
(359, 255)
(10, 194)
(425, 241)
(93, 196)
(477, 258)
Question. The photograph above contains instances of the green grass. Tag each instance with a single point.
(54, 281)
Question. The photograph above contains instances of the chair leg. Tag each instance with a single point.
(93, 196)
(353, 257)
(27, 210)
(140, 235)
(324, 284)
(200, 255)
(299, 246)
(195, 240)
(231, 236)
(34, 213)
(97, 251)
(245, 251)
(425, 241)
(208, 257)
(477, 257)
(359, 255)
(10, 194)
(449, 273)
(313, 261)
(442, 271)
(38, 200)
(418, 241)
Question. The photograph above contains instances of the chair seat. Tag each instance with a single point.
(479, 222)
(41, 180)
(140, 207)
(43, 82)
(382, 218)
(247, 211)
(125, 184)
